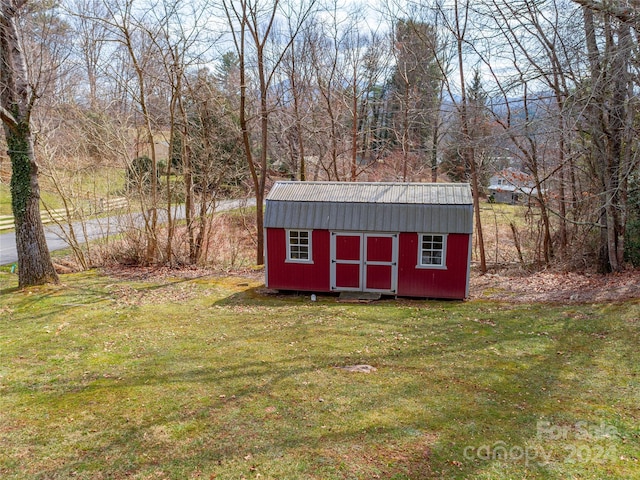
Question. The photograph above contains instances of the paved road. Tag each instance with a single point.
(95, 228)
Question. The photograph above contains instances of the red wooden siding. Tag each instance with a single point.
(378, 277)
(348, 250)
(285, 275)
(347, 247)
(379, 249)
(449, 282)
(348, 276)
(433, 282)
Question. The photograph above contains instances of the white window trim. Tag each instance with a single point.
(299, 260)
(443, 266)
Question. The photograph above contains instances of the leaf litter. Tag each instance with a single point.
(556, 287)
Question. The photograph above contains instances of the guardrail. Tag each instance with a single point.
(6, 221)
(117, 203)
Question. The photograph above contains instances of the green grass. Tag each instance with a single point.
(5, 200)
(209, 378)
(52, 200)
(87, 185)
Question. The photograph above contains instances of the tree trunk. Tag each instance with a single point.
(296, 112)
(468, 151)
(244, 126)
(354, 130)
(264, 133)
(609, 133)
(34, 261)
(434, 151)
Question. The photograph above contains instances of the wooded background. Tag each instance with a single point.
(219, 98)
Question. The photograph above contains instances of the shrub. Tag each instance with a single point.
(139, 175)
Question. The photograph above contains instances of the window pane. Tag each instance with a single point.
(432, 250)
(299, 245)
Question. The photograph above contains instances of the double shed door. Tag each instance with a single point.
(364, 262)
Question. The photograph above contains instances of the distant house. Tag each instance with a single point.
(511, 186)
(402, 239)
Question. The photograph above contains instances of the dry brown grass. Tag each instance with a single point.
(228, 246)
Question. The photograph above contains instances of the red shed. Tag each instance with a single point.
(403, 239)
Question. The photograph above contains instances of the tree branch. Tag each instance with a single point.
(8, 118)
(627, 14)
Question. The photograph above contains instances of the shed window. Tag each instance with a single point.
(432, 250)
(299, 245)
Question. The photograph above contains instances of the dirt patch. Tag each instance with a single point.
(556, 287)
(155, 273)
(513, 286)
(187, 272)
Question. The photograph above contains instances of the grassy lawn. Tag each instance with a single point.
(5, 199)
(211, 378)
(51, 199)
(85, 185)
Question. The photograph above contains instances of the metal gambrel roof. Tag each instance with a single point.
(354, 192)
(376, 207)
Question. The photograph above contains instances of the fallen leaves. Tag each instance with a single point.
(556, 287)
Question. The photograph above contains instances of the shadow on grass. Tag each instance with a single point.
(51, 300)
(452, 379)
(10, 290)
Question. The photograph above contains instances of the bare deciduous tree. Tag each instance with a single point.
(608, 122)
(18, 96)
(252, 24)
